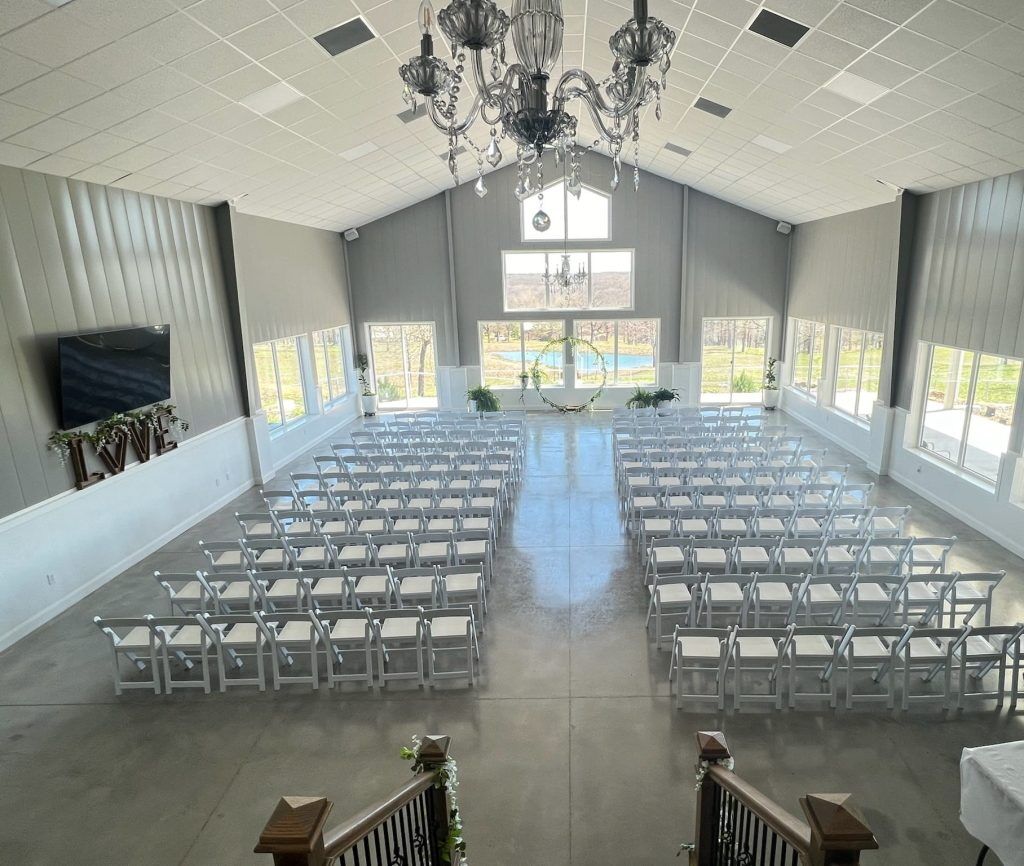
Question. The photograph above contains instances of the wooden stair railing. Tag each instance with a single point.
(410, 826)
(737, 824)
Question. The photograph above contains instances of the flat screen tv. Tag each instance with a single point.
(113, 371)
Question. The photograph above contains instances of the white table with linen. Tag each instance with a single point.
(992, 798)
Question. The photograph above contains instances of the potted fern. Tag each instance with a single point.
(483, 399)
(770, 397)
(367, 396)
(641, 398)
(664, 395)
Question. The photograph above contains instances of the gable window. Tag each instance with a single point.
(629, 347)
(608, 284)
(508, 349)
(858, 369)
(589, 216)
(808, 353)
(969, 401)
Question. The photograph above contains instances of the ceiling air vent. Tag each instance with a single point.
(411, 114)
(458, 152)
(678, 148)
(712, 107)
(778, 29)
(345, 36)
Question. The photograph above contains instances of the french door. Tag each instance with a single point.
(404, 365)
(733, 355)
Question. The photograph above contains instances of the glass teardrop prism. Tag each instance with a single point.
(493, 153)
(541, 221)
(479, 187)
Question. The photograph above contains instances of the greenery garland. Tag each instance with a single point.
(537, 374)
(449, 773)
(110, 429)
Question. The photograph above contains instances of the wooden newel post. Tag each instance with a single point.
(295, 832)
(433, 753)
(711, 748)
(839, 831)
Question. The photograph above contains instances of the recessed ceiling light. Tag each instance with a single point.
(856, 88)
(677, 148)
(771, 143)
(782, 30)
(361, 150)
(345, 36)
(271, 98)
(411, 114)
(711, 107)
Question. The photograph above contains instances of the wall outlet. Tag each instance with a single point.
(50, 580)
(216, 482)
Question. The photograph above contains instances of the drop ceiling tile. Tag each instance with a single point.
(170, 38)
(267, 37)
(135, 182)
(390, 16)
(117, 18)
(913, 49)
(970, 72)
(932, 91)
(712, 29)
(15, 70)
(223, 119)
(952, 24)
(111, 66)
(225, 17)
(244, 81)
(708, 52)
(18, 12)
(63, 166)
(901, 106)
(195, 104)
(98, 147)
(293, 60)
(52, 93)
(51, 135)
(101, 174)
(1013, 128)
(313, 17)
(897, 11)
(856, 26)
(138, 158)
(14, 118)
(828, 49)
(1004, 46)
(984, 111)
(993, 142)
(881, 70)
(54, 39)
(145, 126)
(214, 61)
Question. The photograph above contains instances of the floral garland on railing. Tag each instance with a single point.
(449, 780)
(117, 425)
(537, 374)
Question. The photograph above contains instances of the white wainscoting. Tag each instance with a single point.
(58, 551)
(286, 446)
(839, 428)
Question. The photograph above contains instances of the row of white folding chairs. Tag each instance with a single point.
(698, 494)
(397, 474)
(972, 652)
(708, 520)
(337, 550)
(837, 555)
(735, 477)
(747, 599)
(153, 642)
(258, 525)
(381, 587)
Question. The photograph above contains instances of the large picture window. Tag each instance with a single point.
(329, 356)
(858, 369)
(968, 407)
(589, 216)
(608, 284)
(279, 380)
(508, 349)
(629, 346)
(808, 353)
(733, 355)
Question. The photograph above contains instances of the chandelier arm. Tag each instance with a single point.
(602, 127)
(451, 127)
(496, 92)
(591, 91)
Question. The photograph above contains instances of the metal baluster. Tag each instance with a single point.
(376, 845)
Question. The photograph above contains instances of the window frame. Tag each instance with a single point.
(303, 351)
(836, 350)
(613, 375)
(342, 343)
(406, 372)
(522, 347)
(816, 325)
(589, 308)
(524, 217)
(922, 408)
(769, 326)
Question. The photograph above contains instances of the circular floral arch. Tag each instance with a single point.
(537, 374)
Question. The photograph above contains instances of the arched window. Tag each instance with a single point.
(589, 215)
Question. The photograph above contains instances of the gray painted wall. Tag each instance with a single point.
(967, 271)
(842, 270)
(291, 278)
(401, 270)
(735, 266)
(79, 257)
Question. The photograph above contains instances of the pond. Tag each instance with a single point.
(626, 361)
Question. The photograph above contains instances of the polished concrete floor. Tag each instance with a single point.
(569, 748)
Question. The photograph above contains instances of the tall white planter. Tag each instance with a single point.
(770, 399)
(369, 403)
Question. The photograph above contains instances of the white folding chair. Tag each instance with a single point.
(183, 638)
(449, 631)
(289, 635)
(236, 637)
(187, 592)
(372, 587)
(972, 592)
(462, 585)
(930, 555)
(698, 651)
(344, 631)
(758, 650)
(132, 638)
(815, 648)
(399, 631)
(325, 589)
(672, 598)
(874, 649)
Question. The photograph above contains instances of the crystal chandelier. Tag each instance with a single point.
(516, 101)
(564, 280)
